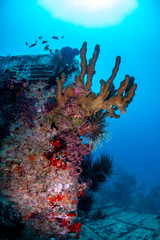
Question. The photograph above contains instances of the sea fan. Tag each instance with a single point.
(97, 133)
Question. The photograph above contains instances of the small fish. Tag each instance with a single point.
(44, 42)
(27, 43)
(40, 37)
(62, 37)
(55, 37)
(46, 48)
(50, 51)
(32, 45)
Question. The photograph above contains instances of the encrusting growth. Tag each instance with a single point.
(43, 160)
(108, 99)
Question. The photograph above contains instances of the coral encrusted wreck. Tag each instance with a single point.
(41, 159)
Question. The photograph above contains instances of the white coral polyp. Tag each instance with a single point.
(58, 188)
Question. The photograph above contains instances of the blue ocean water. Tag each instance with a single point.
(134, 142)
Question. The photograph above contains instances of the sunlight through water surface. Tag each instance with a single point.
(90, 13)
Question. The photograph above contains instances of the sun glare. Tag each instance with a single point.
(90, 13)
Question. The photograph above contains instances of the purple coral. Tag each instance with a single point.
(75, 151)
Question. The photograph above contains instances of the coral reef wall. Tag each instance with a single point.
(42, 155)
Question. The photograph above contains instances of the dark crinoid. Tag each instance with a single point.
(101, 171)
(97, 132)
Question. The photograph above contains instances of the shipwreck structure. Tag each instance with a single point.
(42, 156)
